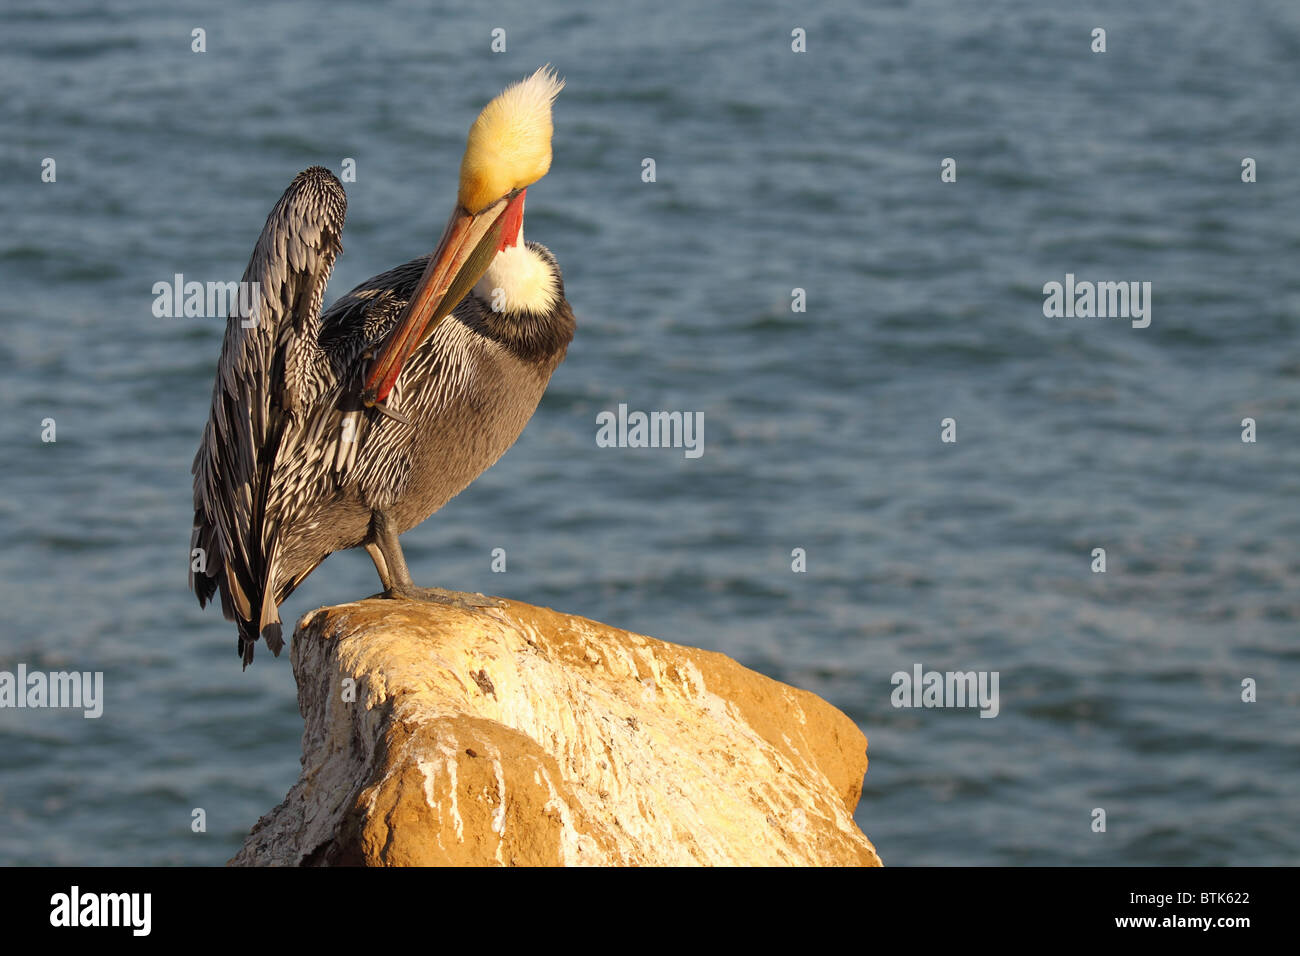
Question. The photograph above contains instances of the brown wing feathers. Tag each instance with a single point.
(266, 373)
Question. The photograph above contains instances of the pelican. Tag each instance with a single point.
(345, 429)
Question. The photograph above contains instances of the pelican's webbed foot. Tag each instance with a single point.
(385, 550)
(465, 600)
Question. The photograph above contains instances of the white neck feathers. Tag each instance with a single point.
(518, 280)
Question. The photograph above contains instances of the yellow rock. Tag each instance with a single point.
(521, 736)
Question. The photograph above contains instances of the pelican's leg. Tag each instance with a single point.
(381, 565)
(397, 582)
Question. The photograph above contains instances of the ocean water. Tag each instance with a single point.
(775, 171)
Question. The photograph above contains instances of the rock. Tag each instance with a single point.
(518, 735)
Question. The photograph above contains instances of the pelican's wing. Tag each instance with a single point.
(350, 331)
(271, 367)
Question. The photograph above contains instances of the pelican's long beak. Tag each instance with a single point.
(466, 249)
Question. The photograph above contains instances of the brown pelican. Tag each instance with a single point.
(349, 428)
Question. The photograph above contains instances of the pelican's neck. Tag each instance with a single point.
(519, 280)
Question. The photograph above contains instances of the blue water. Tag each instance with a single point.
(775, 171)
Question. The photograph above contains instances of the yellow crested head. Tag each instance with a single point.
(510, 143)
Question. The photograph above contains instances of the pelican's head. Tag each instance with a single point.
(509, 149)
(509, 145)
